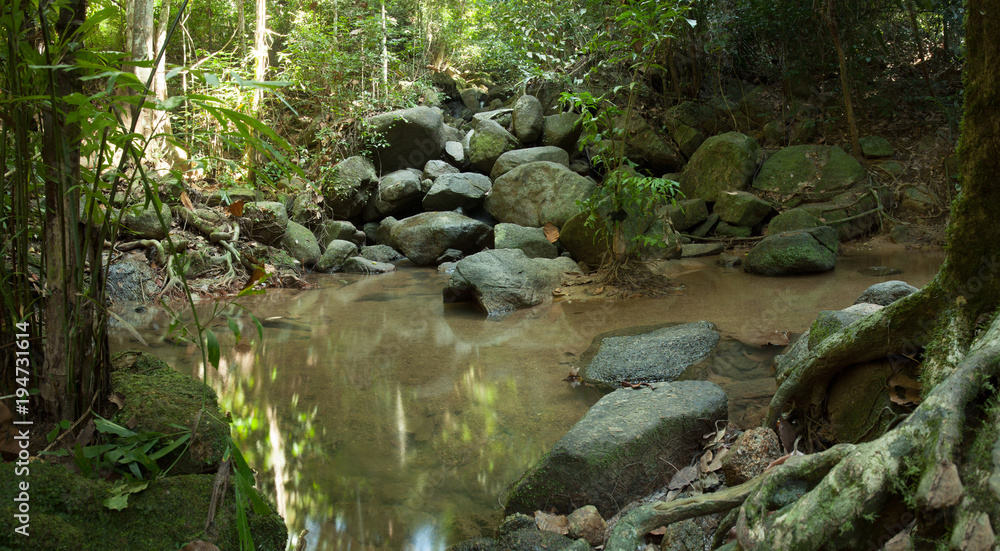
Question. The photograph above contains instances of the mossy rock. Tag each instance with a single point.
(265, 221)
(792, 253)
(301, 244)
(67, 513)
(791, 220)
(740, 208)
(158, 397)
(727, 230)
(723, 163)
(816, 172)
(875, 146)
(858, 404)
(584, 243)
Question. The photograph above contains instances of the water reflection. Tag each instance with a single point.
(380, 418)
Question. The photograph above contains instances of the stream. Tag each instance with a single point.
(378, 417)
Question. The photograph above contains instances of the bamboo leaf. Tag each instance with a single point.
(212, 345)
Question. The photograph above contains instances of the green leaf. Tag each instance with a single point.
(117, 502)
(169, 104)
(211, 80)
(213, 348)
(234, 327)
(109, 427)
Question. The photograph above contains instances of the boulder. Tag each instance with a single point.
(454, 153)
(528, 119)
(693, 250)
(131, 279)
(723, 163)
(530, 240)
(306, 209)
(701, 230)
(536, 193)
(395, 192)
(646, 356)
(451, 191)
(624, 447)
(338, 229)
(687, 213)
(562, 130)
(513, 159)
(503, 116)
(875, 146)
(688, 139)
(725, 229)
(500, 281)
(472, 98)
(794, 219)
(647, 147)
(410, 138)
(142, 220)
(381, 253)
(361, 265)
(301, 244)
(798, 252)
(264, 221)
(425, 236)
(337, 252)
(886, 293)
(828, 322)
(435, 168)
(383, 233)
(740, 208)
(347, 188)
(808, 172)
(752, 452)
(582, 242)
(489, 141)
(587, 523)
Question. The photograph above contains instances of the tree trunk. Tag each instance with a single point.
(385, 56)
(845, 84)
(261, 45)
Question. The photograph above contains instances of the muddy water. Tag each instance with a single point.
(380, 418)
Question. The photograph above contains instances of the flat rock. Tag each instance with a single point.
(886, 293)
(500, 281)
(798, 252)
(425, 236)
(692, 250)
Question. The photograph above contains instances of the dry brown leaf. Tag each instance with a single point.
(186, 201)
(257, 275)
(903, 390)
(132, 422)
(552, 523)
(551, 232)
(683, 478)
(118, 399)
(200, 546)
(658, 531)
(236, 209)
(714, 437)
(599, 290)
(706, 459)
(716, 463)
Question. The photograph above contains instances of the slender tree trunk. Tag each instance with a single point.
(921, 50)
(845, 85)
(261, 45)
(385, 56)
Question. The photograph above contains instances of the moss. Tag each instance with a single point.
(67, 514)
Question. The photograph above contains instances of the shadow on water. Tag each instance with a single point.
(380, 418)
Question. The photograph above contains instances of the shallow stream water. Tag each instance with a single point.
(378, 417)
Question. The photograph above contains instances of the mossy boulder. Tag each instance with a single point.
(624, 447)
(528, 119)
(584, 243)
(348, 187)
(740, 208)
(300, 242)
(875, 146)
(725, 229)
(330, 230)
(723, 163)
(67, 514)
(408, 138)
(536, 193)
(649, 148)
(500, 281)
(488, 143)
(562, 130)
(142, 220)
(828, 322)
(803, 173)
(265, 221)
(423, 238)
(513, 159)
(794, 219)
(530, 240)
(158, 397)
(799, 252)
(687, 213)
(336, 254)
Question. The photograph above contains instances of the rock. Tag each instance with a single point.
(131, 279)
(411, 137)
(454, 153)
(528, 119)
(435, 168)
(562, 130)
(582, 242)
(688, 139)
(513, 159)
(305, 209)
(247, 194)
(586, 523)
(142, 220)
(501, 116)
(880, 271)
(489, 141)
(729, 260)
(536, 193)
(472, 98)
(727, 230)
(799, 252)
(337, 252)
(647, 147)
(395, 192)
(264, 221)
(740, 208)
(347, 188)
(851, 213)
(623, 448)
(874, 146)
(886, 293)
(530, 240)
(774, 133)
(688, 213)
(706, 226)
(818, 171)
(381, 253)
(652, 356)
(723, 163)
(451, 191)
(383, 233)
(301, 244)
(450, 256)
(692, 250)
(337, 229)
(893, 168)
(917, 200)
(503, 280)
(828, 322)
(423, 237)
(752, 452)
(794, 219)
(361, 265)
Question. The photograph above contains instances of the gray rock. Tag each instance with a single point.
(336, 254)
(361, 265)
(131, 279)
(562, 130)
(337, 229)
(725, 162)
(451, 191)
(875, 146)
(527, 119)
(828, 322)
(501, 116)
(752, 452)
(381, 253)
(807, 251)
(411, 137)
(794, 219)
(687, 213)
(536, 193)
(530, 240)
(708, 225)
(396, 191)
(454, 153)
(425, 236)
(513, 159)
(692, 250)
(489, 141)
(727, 230)
(740, 208)
(503, 280)
(264, 221)
(305, 209)
(435, 168)
(472, 98)
(622, 449)
(660, 355)
(886, 293)
(142, 220)
(301, 244)
(347, 188)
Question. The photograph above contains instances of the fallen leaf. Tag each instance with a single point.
(132, 422)
(118, 399)
(558, 292)
(903, 390)
(257, 275)
(710, 481)
(599, 290)
(552, 523)
(236, 209)
(683, 478)
(186, 201)
(551, 232)
(658, 531)
(706, 459)
(716, 463)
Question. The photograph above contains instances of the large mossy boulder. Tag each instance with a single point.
(157, 398)
(583, 241)
(725, 162)
(626, 446)
(301, 244)
(68, 514)
(503, 280)
(348, 187)
(687, 213)
(791, 220)
(649, 148)
(639, 355)
(396, 191)
(562, 130)
(538, 193)
(808, 173)
(808, 251)
(740, 208)
(451, 191)
(335, 256)
(488, 143)
(423, 238)
(264, 221)
(513, 159)
(409, 138)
